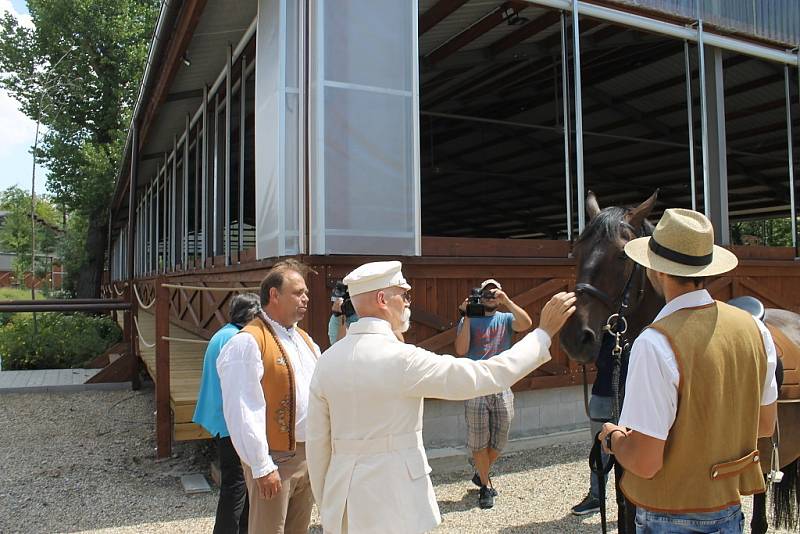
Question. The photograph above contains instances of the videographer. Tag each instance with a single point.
(484, 332)
(342, 313)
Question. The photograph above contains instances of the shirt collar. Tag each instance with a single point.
(276, 324)
(693, 299)
(370, 325)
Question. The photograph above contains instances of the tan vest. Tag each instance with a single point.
(277, 384)
(711, 453)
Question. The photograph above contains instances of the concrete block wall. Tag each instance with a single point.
(536, 413)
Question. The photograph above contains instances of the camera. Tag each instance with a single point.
(340, 292)
(475, 307)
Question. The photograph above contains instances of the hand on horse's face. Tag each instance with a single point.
(556, 312)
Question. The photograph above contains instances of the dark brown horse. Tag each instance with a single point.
(604, 274)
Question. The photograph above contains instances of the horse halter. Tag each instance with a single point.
(616, 323)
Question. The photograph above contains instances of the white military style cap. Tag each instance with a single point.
(375, 275)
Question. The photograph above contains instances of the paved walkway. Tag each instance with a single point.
(52, 380)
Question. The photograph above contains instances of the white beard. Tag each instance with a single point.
(406, 320)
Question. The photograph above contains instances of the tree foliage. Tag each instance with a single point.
(78, 71)
(15, 231)
(769, 232)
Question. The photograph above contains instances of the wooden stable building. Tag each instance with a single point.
(460, 136)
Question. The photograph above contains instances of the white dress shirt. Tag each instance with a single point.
(240, 371)
(651, 389)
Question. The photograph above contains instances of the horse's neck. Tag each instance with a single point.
(645, 312)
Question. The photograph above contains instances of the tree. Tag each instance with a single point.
(78, 72)
(15, 232)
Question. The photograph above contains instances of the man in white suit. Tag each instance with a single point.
(366, 460)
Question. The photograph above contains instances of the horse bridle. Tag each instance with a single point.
(617, 326)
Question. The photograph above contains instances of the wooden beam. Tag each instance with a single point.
(162, 378)
(437, 13)
(187, 22)
(489, 21)
(529, 30)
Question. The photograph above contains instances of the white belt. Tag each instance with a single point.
(378, 445)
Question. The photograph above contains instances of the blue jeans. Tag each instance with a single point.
(599, 408)
(726, 521)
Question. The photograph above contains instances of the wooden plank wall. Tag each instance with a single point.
(440, 283)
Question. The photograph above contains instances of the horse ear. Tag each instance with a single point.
(637, 215)
(592, 207)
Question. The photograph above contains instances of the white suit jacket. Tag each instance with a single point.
(367, 464)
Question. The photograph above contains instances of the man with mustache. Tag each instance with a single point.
(367, 463)
(265, 371)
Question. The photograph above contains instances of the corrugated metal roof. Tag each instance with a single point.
(776, 20)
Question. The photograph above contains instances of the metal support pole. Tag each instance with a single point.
(215, 203)
(133, 183)
(565, 99)
(693, 185)
(704, 120)
(204, 193)
(792, 205)
(227, 210)
(242, 140)
(198, 173)
(185, 200)
(173, 204)
(717, 192)
(163, 415)
(156, 214)
(576, 57)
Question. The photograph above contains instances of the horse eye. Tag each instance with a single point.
(622, 256)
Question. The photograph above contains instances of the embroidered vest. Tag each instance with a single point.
(278, 384)
(711, 453)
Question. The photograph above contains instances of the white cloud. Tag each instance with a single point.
(24, 19)
(16, 129)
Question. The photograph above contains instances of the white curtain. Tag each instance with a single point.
(364, 150)
(279, 128)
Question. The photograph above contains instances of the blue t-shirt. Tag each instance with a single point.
(208, 411)
(489, 335)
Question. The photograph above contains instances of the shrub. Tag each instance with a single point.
(61, 341)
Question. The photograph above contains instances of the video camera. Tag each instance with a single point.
(340, 292)
(475, 307)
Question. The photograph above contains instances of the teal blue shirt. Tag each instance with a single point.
(333, 326)
(208, 411)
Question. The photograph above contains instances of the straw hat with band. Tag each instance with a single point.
(682, 244)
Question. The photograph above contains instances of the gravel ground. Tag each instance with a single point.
(84, 462)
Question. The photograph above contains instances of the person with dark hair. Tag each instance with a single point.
(232, 509)
(700, 390)
(265, 372)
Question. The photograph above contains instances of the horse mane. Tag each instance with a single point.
(608, 225)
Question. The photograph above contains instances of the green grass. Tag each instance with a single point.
(12, 293)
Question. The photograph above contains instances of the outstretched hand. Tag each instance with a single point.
(556, 312)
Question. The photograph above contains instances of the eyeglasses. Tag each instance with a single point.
(406, 297)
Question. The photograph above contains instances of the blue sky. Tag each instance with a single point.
(16, 130)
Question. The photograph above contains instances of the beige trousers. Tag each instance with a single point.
(290, 511)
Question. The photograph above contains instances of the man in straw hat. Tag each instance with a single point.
(700, 390)
(368, 468)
